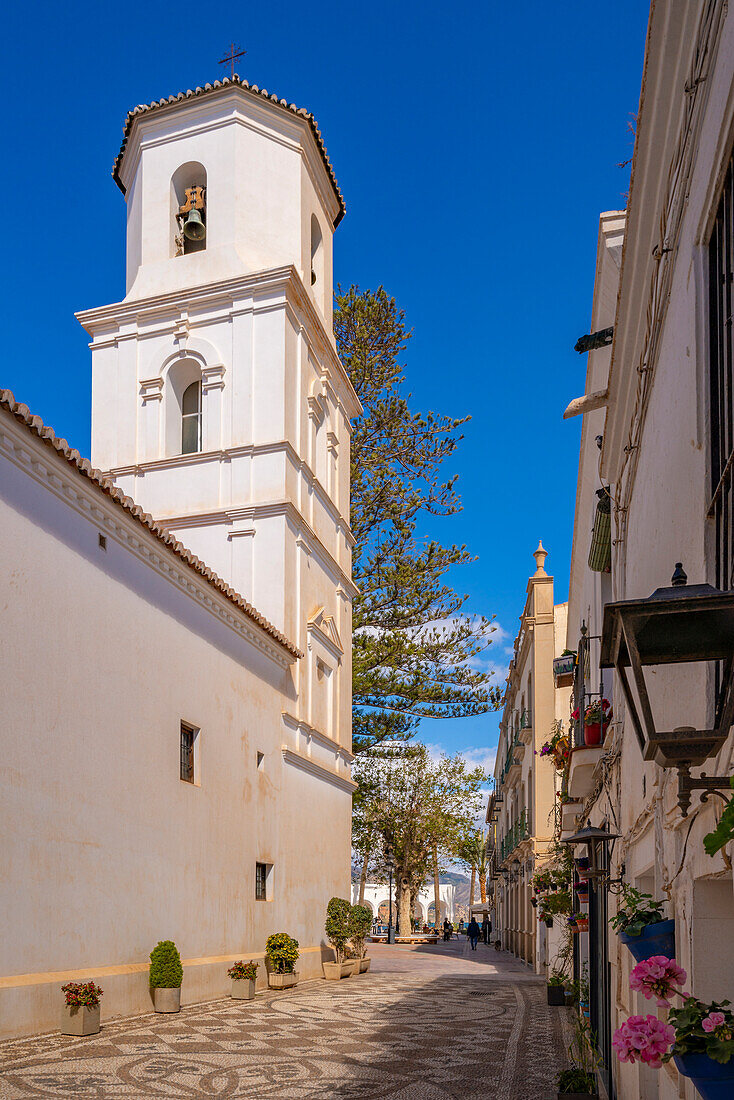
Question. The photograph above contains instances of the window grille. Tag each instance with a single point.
(187, 754)
(721, 382)
(261, 874)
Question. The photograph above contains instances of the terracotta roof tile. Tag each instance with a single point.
(84, 466)
(251, 89)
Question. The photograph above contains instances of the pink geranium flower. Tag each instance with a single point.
(643, 1039)
(712, 1021)
(658, 977)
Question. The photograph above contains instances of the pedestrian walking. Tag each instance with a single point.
(473, 931)
(486, 929)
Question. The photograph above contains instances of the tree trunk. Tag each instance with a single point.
(483, 885)
(404, 907)
(363, 876)
(471, 886)
(436, 888)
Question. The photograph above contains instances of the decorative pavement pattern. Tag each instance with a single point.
(427, 1024)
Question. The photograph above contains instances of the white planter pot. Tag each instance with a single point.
(243, 989)
(333, 972)
(283, 981)
(79, 1020)
(167, 1000)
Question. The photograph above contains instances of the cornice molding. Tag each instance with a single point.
(296, 760)
(104, 322)
(323, 739)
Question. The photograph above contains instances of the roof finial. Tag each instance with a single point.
(231, 57)
(540, 555)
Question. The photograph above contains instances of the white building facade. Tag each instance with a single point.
(377, 898)
(657, 438)
(177, 762)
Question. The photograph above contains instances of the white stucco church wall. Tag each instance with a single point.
(112, 635)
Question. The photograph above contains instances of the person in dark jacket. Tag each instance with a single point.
(486, 929)
(473, 930)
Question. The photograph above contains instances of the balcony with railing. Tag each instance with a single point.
(520, 831)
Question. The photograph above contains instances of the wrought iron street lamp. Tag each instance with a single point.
(596, 841)
(677, 625)
(390, 860)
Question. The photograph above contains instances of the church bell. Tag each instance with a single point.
(194, 228)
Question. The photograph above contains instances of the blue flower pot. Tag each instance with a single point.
(713, 1080)
(654, 939)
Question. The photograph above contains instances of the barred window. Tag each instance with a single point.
(188, 736)
(261, 876)
(721, 380)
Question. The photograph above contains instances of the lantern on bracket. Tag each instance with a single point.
(677, 625)
(599, 844)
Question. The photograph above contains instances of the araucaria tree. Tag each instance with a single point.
(416, 651)
(420, 807)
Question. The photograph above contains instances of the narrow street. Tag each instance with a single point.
(424, 1024)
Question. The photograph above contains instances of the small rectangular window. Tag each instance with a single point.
(260, 758)
(188, 737)
(261, 880)
(102, 542)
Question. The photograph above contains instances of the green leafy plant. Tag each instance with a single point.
(577, 1080)
(166, 971)
(243, 972)
(724, 831)
(702, 1028)
(360, 923)
(337, 926)
(636, 912)
(557, 903)
(557, 977)
(282, 953)
(82, 994)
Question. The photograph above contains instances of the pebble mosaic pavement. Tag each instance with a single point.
(437, 1023)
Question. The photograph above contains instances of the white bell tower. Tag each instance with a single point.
(219, 403)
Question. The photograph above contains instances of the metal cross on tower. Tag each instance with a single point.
(231, 57)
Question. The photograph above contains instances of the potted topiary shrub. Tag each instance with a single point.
(80, 1014)
(360, 923)
(704, 1046)
(281, 955)
(640, 925)
(556, 989)
(165, 976)
(337, 931)
(244, 976)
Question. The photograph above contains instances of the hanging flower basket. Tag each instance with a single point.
(582, 924)
(713, 1080)
(654, 939)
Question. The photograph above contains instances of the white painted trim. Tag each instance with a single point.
(310, 766)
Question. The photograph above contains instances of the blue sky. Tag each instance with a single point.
(475, 146)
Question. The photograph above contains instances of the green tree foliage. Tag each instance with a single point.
(281, 951)
(416, 804)
(337, 926)
(360, 923)
(166, 971)
(416, 653)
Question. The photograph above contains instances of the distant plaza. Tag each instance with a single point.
(377, 898)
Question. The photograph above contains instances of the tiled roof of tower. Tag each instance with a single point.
(106, 485)
(251, 89)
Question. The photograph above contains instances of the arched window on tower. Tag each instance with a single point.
(317, 257)
(191, 419)
(189, 209)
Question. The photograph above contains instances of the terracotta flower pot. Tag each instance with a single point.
(594, 733)
(79, 1020)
